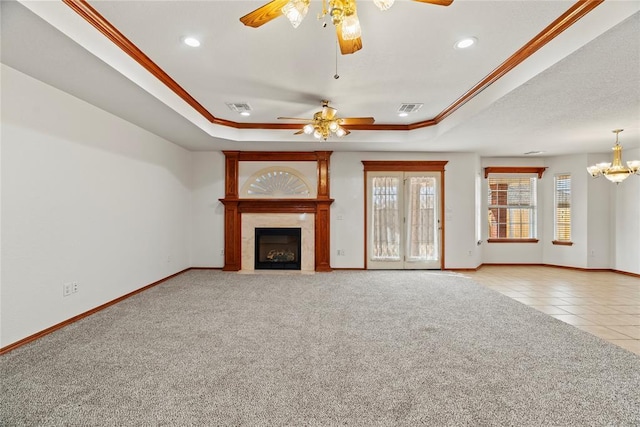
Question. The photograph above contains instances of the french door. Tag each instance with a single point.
(403, 220)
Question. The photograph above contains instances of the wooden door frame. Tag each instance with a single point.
(404, 166)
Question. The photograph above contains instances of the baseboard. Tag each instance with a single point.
(626, 273)
(80, 316)
(567, 267)
(515, 264)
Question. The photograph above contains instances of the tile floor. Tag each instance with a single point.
(605, 304)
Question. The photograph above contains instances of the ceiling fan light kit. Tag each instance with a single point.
(343, 14)
(383, 4)
(325, 123)
(351, 29)
(295, 11)
(615, 171)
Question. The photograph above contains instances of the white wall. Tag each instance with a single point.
(627, 220)
(347, 211)
(207, 224)
(576, 255)
(600, 232)
(86, 197)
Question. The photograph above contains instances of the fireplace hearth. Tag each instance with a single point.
(277, 248)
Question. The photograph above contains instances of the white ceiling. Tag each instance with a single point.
(565, 98)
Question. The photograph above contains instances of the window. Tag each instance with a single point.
(512, 208)
(562, 209)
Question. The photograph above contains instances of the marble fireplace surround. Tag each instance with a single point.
(311, 214)
(303, 221)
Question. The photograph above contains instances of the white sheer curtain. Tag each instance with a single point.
(385, 218)
(422, 226)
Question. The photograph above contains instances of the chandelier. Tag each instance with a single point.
(616, 171)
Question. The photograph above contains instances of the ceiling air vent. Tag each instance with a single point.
(409, 108)
(239, 107)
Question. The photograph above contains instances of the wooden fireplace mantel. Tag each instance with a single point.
(235, 206)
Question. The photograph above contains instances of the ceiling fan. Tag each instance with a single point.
(325, 123)
(343, 15)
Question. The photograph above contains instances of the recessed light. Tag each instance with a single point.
(191, 41)
(245, 113)
(465, 43)
(403, 114)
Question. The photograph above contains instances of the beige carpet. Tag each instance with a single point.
(345, 348)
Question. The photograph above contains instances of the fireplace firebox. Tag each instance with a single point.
(278, 248)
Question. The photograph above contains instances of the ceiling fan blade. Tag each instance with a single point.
(347, 46)
(357, 121)
(436, 2)
(264, 14)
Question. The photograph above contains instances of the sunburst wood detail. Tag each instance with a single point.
(276, 182)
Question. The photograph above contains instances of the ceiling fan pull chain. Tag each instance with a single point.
(336, 75)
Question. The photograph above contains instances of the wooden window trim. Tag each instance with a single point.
(561, 243)
(514, 169)
(404, 165)
(512, 240)
(557, 234)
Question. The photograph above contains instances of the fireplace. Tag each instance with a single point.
(243, 212)
(278, 248)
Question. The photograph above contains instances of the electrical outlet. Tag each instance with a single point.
(221, 252)
(74, 287)
(67, 289)
(340, 252)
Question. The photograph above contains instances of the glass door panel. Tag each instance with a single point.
(385, 200)
(403, 220)
(422, 222)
